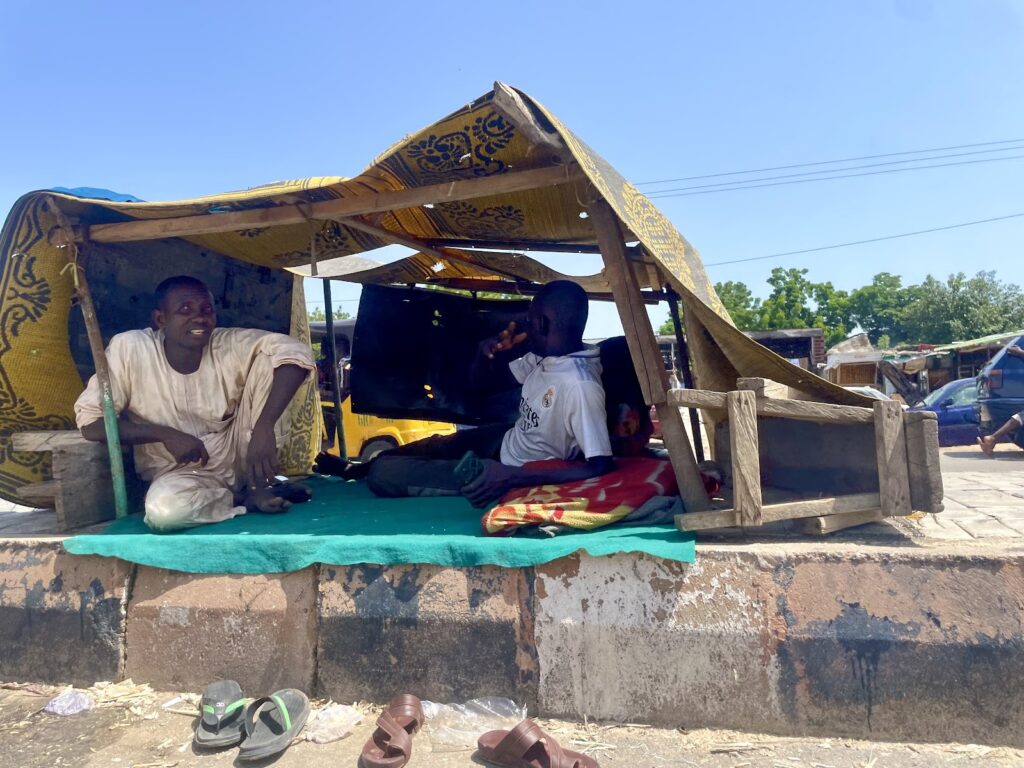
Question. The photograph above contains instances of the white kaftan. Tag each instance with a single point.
(219, 403)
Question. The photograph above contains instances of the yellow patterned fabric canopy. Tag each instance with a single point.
(503, 132)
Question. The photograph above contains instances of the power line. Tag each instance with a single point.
(837, 170)
(830, 162)
(871, 240)
(655, 196)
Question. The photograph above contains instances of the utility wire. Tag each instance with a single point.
(829, 162)
(830, 178)
(870, 240)
(838, 170)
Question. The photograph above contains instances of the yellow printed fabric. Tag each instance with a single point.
(502, 132)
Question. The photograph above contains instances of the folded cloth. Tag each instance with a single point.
(584, 504)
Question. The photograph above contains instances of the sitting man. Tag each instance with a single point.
(561, 413)
(1015, 422)
(203, 406)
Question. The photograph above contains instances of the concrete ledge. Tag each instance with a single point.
(893, 644)
(828, 638)
(448, 634)
(61, 617)
(187, 630)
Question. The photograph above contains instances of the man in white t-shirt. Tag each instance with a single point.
(561, 413)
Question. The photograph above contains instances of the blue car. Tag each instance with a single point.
(956, 406)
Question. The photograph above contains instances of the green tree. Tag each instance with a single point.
(962, 308)
(743, 307)
(788, 305)
(878, 308)
(318, 314)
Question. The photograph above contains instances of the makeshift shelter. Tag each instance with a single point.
(501, 173)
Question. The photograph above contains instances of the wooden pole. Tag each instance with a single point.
(99, 356)
(647, 360)
(335, 381)
(684, 366)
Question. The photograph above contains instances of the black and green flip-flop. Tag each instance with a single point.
(272, 722)
(222, 710)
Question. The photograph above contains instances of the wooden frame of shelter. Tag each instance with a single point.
(501, 173)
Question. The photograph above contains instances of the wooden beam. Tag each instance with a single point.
(773, 513)
(746, 465)
(527, 289)
(647, 360)
(47, 440)
(922, 429)
(643, 346)
(42, 494)
(791, 510)
(891, 453)
(840, 521)
(801, 410)
(763, 387)
(517, 245)
(357, 205)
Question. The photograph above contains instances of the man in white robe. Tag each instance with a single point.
(205, 408)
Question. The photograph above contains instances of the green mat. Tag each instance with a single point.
(346, 524)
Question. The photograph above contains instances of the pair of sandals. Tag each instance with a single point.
(525, 746)
(263, 727)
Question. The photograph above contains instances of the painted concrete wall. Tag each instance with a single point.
(893, 643)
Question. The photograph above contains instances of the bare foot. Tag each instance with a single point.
(987, 445)
(266, 501)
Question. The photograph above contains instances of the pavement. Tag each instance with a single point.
(147, 736)
(984, 497)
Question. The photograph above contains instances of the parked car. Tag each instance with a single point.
(956, 406)
(1001, 391)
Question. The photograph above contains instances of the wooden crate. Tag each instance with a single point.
(901, 481)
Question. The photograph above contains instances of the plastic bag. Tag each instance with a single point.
(453, 727)
(70, 703)
(333, 722)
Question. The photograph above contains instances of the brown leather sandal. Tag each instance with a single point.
(527, 746)
(390, 746)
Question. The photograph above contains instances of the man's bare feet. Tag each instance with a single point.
(265, 500)
(987, 445)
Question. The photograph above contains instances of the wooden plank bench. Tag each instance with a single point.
(81, 491)
(900, 482)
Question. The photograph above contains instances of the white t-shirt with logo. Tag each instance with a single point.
(561, 410)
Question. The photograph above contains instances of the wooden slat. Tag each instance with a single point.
(705, 521)
(840, 521)
(891, 453)
(86, 491)
(47, 440)
(763, 387)
(646, 355)
(800, 410)
(697, 398)
(792, 510)
(746, 468)
(772, 513)
(922, 430)
(42, 494)
(206, 224)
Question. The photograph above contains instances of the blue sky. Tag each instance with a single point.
(166, 101)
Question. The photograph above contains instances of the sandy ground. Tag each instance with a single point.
(132, 730)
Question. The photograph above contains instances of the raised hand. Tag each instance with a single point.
(504, 341)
